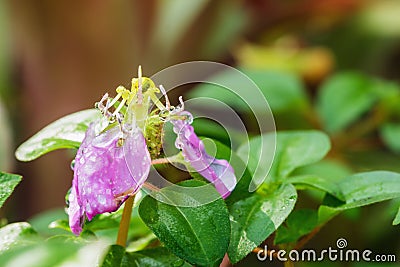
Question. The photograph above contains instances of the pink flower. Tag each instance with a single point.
(109, 167)
(113, 165)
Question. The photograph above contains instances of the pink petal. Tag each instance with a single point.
(106, 173)
(219, 172)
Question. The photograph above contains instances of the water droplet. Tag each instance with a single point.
(92, 158)
(69, 197)
(178, 263)
(72, 164)
(81, 160)
(189, 119)
(102, 199)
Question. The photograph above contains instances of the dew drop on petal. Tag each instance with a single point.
(72, 164)
(101, 199)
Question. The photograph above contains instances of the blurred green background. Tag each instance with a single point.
(58, 57)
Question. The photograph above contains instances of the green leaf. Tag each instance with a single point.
(390, 133)
(61, 251)
(114, 256)
(369, 187)
(154, 257)
(16, 234)
(198, 234)
(315, 182)
(8, 182)
(293, 149)
(283, 91)
(42, 222)
(343, 99)
(329, 170)
(396, 220)
(67, 132)
(253, 219)
(299, 223)
(60, 224)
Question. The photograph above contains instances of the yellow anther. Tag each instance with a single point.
(147, 84)
(135, 86)
(120, 89)
(126, 94)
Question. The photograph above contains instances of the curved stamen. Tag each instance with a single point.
(167, 103)
(104, 108)
(119, 91)
(119, 107)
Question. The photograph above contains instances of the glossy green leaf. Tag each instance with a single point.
(396, 220)
(369, 187)
(16, 234)
(293, 149)
(299, 223)
(390, 133)
(315, 182)
(199, 234)
(114, 256)
(343, 99)
(67, 132)
(359, 190)
(329, 170)
(8, 182)
(154, 257)
(253, 219)
(283, 91)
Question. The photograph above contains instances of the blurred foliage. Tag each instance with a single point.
(5, 57)
(5, 140)
(326, 65)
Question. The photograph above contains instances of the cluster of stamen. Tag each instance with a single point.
(142, 92)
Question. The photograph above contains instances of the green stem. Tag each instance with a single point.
(125, 220)
(174, 158)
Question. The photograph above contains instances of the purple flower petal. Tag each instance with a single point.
(106, 173)
(217, 171)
